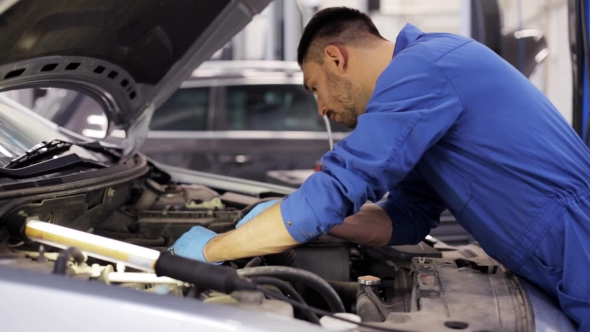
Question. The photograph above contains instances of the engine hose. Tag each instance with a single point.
(347, 290)
(297, 275)
(289, 291)
(286, 258)
(61, 264)
(373, 297)
(254, 262)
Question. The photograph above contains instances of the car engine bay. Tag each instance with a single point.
(405, 288)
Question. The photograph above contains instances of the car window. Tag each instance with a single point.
(186, 109)
(286, 107)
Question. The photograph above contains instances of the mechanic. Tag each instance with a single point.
(440, 121)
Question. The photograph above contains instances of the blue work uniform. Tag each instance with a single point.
(451, 125)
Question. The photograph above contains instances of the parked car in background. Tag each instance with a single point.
(237, 118)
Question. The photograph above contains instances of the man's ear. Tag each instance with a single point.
(336, 57)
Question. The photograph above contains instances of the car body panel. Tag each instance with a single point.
(57, 298)
(548, 315)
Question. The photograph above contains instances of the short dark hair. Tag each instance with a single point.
(340, 25)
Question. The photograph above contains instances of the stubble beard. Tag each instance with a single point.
(342, 93)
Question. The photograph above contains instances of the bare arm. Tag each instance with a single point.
(266, 234)
(263, 235)
(370, 226)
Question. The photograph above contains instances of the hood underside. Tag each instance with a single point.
(128, 55)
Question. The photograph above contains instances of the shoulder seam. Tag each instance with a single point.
(453, 49)
(454, 88)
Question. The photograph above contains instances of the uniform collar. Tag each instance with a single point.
(407, 36)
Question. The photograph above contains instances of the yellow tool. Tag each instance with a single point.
(93, 245)
(201, 274)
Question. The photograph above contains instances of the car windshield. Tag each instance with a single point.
(21, 129)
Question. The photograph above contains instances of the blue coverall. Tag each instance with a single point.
(452, 125)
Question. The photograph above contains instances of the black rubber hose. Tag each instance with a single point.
(287, 290)
(275, 295)
(203, 275)
(286, 258)
(366, 309)
(61, 264)
(297, 275)
(254, 262)
(373, 297)
(347, 291)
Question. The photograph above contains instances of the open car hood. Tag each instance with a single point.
(130, 56)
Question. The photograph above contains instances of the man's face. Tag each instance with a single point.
(336, 96)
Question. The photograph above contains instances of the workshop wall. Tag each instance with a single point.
(554, 77)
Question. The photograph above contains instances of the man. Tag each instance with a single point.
(440, 122)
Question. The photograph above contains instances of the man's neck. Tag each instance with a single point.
(381, 57)
(374, 61)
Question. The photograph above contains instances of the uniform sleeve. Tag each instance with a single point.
(412, 107)
(414, 209)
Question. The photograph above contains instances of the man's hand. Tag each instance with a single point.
(371, 226)
(191, 243)
(264, 234)
(258, 209)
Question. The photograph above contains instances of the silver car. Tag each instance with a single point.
(84, 225)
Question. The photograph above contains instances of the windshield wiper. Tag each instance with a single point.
(39, 153)
(47, 150)
(50, 166)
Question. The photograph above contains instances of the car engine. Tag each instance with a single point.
(401, 288)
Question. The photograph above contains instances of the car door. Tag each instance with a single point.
(268, 125)
(179, 129)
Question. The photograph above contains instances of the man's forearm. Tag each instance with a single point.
(263, 235)
(370, 226)
(267, 234)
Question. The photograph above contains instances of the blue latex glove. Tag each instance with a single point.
(192, 243)
(258, 209)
